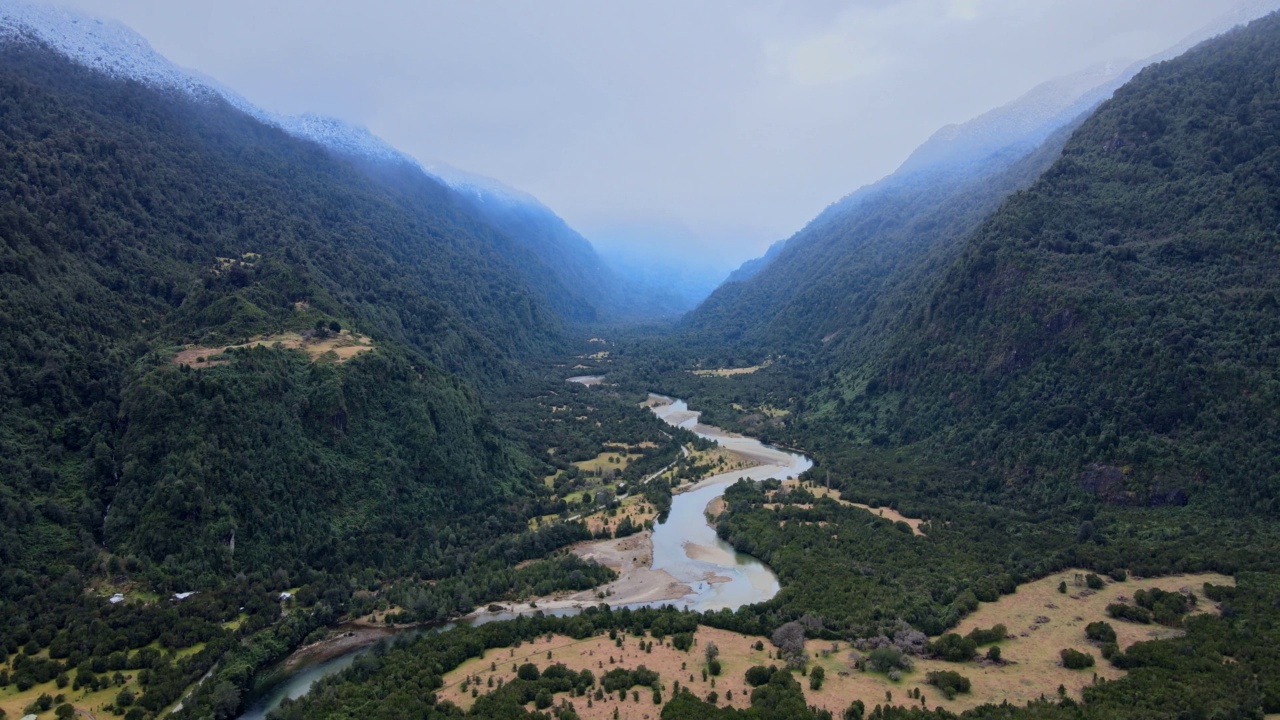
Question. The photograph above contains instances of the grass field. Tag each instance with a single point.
(1041, 620)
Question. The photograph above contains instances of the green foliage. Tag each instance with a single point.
(949, 682)
(1075, 660)
(953, 648)
(758, 675)
(981, 636)
(1100, 631)
(888, 659)
(816, 677)
(1122, 611)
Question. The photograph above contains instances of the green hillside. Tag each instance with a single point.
(1116, 324)
(135, 222)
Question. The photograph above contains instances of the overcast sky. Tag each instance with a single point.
(719, 125)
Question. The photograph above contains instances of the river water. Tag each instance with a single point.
(685, 546)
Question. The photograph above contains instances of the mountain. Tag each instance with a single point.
(1115, 325)
(833, 277)
(829, 280)
(138, 222)
(616, 293)
(752, 267)
(586, 290)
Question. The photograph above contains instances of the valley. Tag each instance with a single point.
(297, 425)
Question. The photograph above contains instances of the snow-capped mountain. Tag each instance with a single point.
(115, 49)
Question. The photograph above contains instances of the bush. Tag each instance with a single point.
(993, 653)
(528, 671)
(986, 637)
(1121, 611)
(953, 648)
(1094, 582)
(1100, 632)
(1076, 660)
(950, 683)
(682, 641)
(816, 678)
(714, 667)
(758, 675)
(886, 659)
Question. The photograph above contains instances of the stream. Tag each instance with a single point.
(685, 546)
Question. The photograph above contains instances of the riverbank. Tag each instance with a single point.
(348, 636)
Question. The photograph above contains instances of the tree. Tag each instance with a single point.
(528, 671)
(224, 700)
(712, 651)
(816, 678)
(789, 637)
(543, 699)
(124, 699)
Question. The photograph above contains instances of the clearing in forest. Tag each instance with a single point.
(331, 347)
(884, 512)
(1040, 620)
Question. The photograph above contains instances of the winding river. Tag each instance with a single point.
(685, 546)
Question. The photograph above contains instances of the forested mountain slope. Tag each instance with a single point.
(603, 294)
(837, 275)
(136, 220)
(843, 276)
(1116, 323)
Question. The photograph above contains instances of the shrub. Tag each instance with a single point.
(682, 641)
(886, 658)
(953, 648)
(528, 671)
(1094, 582)
(1100, 632)
(714, 667)
(986, 637)
(1076, 660)
(1121, 611)
(759, 675)
(816, 678)
(950, 683)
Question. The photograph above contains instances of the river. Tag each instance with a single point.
(685, 546)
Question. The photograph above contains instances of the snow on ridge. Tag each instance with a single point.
(118, 51)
